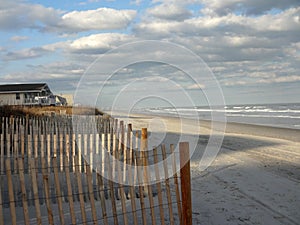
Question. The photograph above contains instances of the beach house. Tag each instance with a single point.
(26, 94)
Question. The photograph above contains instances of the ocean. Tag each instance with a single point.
(286, 115)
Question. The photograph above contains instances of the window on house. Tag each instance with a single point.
(17, 96)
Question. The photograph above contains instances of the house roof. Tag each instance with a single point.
(33, 87)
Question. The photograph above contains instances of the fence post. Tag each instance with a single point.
(185, 183)
(144, 147)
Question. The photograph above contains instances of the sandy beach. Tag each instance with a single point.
(255, 178)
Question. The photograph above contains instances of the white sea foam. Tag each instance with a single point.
(284, 115)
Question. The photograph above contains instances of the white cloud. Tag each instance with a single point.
(195, 87)
(262, 74)
(15, 15)
(169, 12)
(89, 45)
(18, 38)
(287, 20)
(254, 7)
(98, 43)
(27, 53)
(232, 37)
(235, 83)
(283, 79)
(99, 19)
(18, 14)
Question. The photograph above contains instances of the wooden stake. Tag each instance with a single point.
(85, 143)
(144, 148)
(121, 188)
(35, 192)
(158, 186)
(47, 192)
(185, 175)
(176, 183)
(2, 152)
(24, 193)
(70, 193)
(91, 151)
(150, 194)
(73, 151)
(61, 149)
(79, 144)
(167, 184)
(111, 186)
(49, 151)
(102, 198)
(58, 192)
(80, 192)
(16, 151)
(141, 190)
(91, 194)
(11, 193)
(130, 178)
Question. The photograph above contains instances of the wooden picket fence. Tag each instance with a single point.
(55, 171)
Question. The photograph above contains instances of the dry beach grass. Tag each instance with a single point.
(47, 110)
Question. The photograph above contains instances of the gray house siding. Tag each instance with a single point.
(23, 94)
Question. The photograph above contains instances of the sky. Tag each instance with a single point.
(247, 51)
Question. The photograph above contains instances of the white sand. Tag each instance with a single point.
(255, 178)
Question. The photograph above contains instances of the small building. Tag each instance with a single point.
(26, 94)
(69, 98)
(60, 100)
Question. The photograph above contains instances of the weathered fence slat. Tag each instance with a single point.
(70, 193)
(58, 191)
(131, 185)
(102, 198)
(11, 192)
(91, 194)
(80, 191)
(47, 192)
(35, 191)
(163, 149)
(178, 200)
(158, 186)
(120, 176)
(141, 188)
(110, 181)
(147, 182)
(2, 151)
(23, 189)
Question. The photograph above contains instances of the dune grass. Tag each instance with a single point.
(47, 110)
